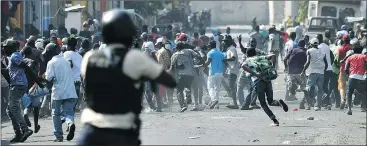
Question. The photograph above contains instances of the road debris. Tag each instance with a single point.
(194, 137)
(256, 140)
(310, 118)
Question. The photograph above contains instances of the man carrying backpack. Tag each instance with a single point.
(262, 71)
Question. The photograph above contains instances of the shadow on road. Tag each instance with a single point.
(5, 142)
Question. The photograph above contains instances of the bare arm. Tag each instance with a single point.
(307, 63)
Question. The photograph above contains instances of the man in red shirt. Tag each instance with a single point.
(343, 77)
(356, 67)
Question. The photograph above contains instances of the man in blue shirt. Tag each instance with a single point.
(18, 86)
(216, 67)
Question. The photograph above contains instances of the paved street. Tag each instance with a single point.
(233, 127)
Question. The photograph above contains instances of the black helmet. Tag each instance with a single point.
(118, 27)
(252, 42)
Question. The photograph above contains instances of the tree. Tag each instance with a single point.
(303, 10)
(144, 8)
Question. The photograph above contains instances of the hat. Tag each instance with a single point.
(9, 42)
(344, 27)
(345, 37)
(182, 36)
(160, 40)
(314, 41)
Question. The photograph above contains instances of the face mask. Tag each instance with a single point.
(167, 46)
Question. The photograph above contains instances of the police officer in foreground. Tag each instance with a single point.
(114, 78)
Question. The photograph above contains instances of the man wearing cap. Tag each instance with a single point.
(343, 31)
(343, 77)
(314, 68)
(148, 43)
(18, 86)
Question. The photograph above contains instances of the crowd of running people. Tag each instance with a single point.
(328, 70)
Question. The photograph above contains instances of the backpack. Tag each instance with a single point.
(267, 68)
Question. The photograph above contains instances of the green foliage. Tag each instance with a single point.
(303, 10)
(145, 8)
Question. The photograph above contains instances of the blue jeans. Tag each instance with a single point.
(68, 110)
(315, 79)
(251, 93)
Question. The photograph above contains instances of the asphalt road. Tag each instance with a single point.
(232, 127)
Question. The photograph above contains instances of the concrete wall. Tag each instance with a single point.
(234, 12)
(276, 12)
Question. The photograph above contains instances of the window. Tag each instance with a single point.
(328, 11)
(323, 22)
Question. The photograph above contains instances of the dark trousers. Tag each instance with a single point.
(4, 100)
(13, 110)
(233, 87)
(184, 81)
(265, 88)
(360, 86)
(332, 89)
(327, 89)
(93, 136)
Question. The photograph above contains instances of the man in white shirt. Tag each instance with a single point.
(232, 70)
(63, 96)
(314, 68)
(324, 48)
(75, 60)
(147, 42)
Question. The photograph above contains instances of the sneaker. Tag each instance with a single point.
(328, 107)
(283, 105)
(17, 137)
(275, 122)
(37, 128)
(231, 106)
(349, 112)
(195, 108)
(58, 140)
(302, 106)
(363, 109)
(26, 134)
(183, 109)
(70, 135)
(246, 108)
(317, 109)
(308, 108)
(213, 104)
(255, 106)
